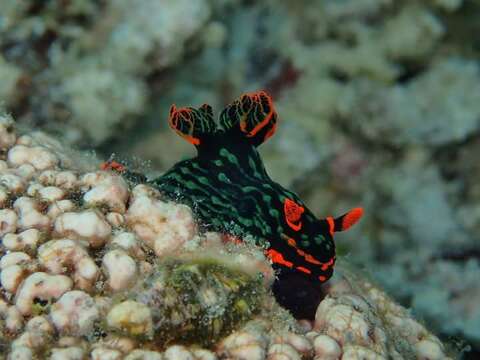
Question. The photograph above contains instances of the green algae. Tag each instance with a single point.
(199, 301)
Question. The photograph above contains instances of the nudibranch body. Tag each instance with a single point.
(230, 191)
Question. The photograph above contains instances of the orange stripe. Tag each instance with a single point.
(331, 225)
(293, 226)
(185, 113)
(312, 260)
(190, 139)
(277, 258)
(260, 125)
(328, 264)
(256, 98)
(309, 258)
(305, 270)
(270, 132)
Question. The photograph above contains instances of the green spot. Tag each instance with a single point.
(223, 178)
(216, 200)
(185, 170)
(305, 243)
(252, 164)
(203, 180)
(191, 185)
(229, 156)
(267, 198)
(218, 162)
(257, 222)
(198, 167)
(216, 222)
(245, 221)
(176, 177)
(274, 213)
(318, 240)
(249, 188)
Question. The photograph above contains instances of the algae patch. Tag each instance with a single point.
(196, 301)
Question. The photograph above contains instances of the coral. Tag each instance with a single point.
(436, 108)
(74, 313)
(206, 298)
(59, 256)
(168, 229)
(10, 75)
(77, 58)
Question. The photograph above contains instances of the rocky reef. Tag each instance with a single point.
(92, 266)
(378, 98)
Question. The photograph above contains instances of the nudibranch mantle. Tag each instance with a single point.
(229, 190)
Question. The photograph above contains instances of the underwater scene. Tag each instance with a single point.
(239, 179)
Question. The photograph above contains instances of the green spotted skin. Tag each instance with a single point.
(229, 190)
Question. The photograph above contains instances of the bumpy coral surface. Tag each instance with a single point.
(93, 268)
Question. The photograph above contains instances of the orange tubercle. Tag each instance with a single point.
(292, 242)
(312, 260)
